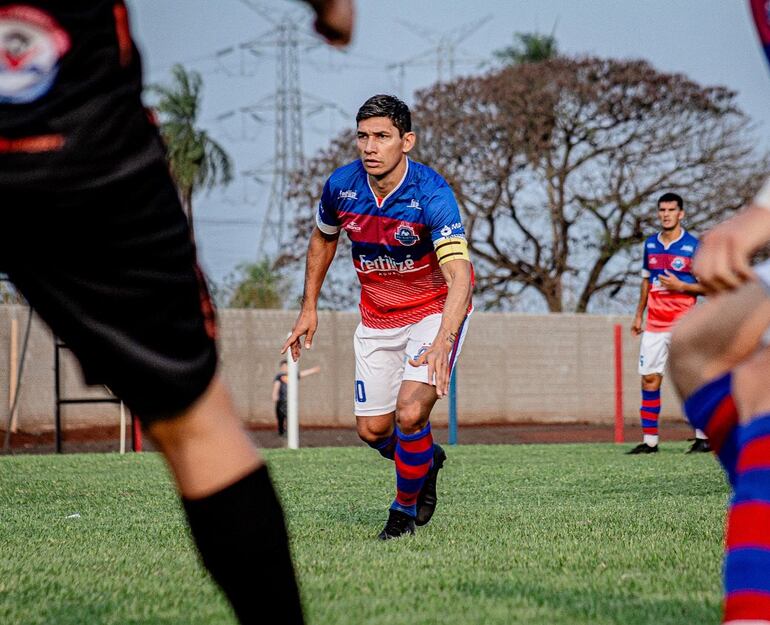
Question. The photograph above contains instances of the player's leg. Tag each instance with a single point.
(379, 367)
(706, 346)
(747, 557)
(280, 417)
(653, 353)
(113, 272)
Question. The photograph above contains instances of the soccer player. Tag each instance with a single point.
(97, 242)
(720, 364)
(279, 394)
(668, 291)
(410, 253)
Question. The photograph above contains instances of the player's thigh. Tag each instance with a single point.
(724, 330)
(653, 353)
(751, 389)
(112, 270)
(379, 355)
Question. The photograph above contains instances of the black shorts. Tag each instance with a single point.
(112, 270)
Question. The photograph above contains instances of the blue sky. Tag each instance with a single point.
(711, 41)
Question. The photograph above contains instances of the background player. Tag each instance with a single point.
(279, 394)
(410, 253)
(102, 250)
(720, 365)
(668, 291)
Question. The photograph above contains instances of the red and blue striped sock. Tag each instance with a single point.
(386, 446)
(747, 558)
(711, 408)
(649, 412)
(414, 458)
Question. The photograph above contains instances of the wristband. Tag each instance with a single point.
(763, 197)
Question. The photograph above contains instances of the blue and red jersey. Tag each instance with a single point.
(665, 307)
(393, 240)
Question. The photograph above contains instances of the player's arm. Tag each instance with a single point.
(334, 20)
(312, 371)
(723, 260)
(644, 292)
(320, 254)
(276, 390)
(669, 281)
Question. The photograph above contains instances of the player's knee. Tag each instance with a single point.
(685, 360)
(372, 432)
(651, 381)
(410, 417)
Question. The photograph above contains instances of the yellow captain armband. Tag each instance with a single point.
(451, 248)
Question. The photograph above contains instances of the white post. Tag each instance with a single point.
(292, 403)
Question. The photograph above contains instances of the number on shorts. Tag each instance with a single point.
(360, 392)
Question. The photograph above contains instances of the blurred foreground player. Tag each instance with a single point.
(97, 242)
(720, 364)
(410, 253)
(668, 292)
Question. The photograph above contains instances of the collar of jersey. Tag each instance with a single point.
(396, 188)
(679, 238)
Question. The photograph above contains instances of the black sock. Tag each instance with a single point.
(241, 537)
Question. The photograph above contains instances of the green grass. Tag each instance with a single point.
(551, 534)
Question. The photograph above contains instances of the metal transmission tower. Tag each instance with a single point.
(285, 37)
(443, 53)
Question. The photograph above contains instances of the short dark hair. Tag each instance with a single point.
(672, 197)
(387, 106)
(283, 362)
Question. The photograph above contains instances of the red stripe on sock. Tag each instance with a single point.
(650, 403)
(407, 499)
(418, 446)
(747, 525)
(649, 415)
(722, 422)
(412, 472)
(747, 605)
(755, 455)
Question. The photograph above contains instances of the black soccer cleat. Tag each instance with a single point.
(699, 445)
(399, 524)
(427, 499)
(643, 448)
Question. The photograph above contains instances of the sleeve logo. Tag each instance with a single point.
(31, 46)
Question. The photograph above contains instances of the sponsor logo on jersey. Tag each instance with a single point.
(678, 263)
(405, 235)
(353, 226)
(385, 264)
(650, 246)
(31, 46)
(653, 260)
(415, 204)
(687, 248)
(348, 195)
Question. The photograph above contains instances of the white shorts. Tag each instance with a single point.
(653, 352)
(381, 362)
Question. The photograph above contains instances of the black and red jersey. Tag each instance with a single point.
(70, 95)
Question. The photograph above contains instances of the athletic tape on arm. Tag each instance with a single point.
(451, 248)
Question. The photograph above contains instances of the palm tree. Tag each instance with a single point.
(529, 48)
(195, 159)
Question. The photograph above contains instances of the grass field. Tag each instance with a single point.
(551, 534)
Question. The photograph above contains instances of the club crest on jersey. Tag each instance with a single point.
(678, 263)
(31, 46)
(405, 235)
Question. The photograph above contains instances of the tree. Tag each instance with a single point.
(196, 161)
(256, 285)
(529, 48)
(557, 166)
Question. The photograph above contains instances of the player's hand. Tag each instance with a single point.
(436, 357)
(723, 260)
(636, 326)
(334, 20)
(670, 281)
(305, 325)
